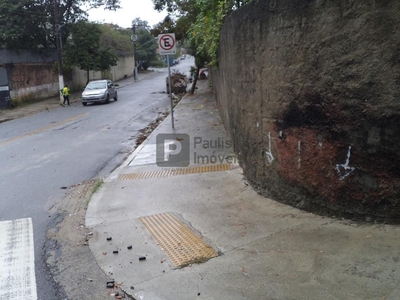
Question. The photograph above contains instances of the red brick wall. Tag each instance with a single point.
(32, 80)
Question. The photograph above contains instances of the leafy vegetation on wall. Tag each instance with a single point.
(201, 22)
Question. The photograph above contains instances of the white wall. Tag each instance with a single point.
(37, 91)
(124, 68)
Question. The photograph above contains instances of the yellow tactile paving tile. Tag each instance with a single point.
(175, 172)
(181, 245)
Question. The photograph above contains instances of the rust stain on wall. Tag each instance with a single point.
(309, 162)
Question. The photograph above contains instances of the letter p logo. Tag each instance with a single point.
(172, 150)
(171, 147)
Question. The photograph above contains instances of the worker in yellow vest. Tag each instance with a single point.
(65, 92)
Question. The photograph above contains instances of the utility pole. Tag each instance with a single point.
(57, 30)
(170, 93)
(134, 39)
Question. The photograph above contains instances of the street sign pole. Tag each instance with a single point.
(166, 46)
(170, 94)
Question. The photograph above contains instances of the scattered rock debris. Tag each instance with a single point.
(117, 292)
(145, 132)
(178, 82)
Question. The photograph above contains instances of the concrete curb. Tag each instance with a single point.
(132, 156)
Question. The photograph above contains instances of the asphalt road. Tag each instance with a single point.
(43, 154)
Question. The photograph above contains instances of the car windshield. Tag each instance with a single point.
(96, 85)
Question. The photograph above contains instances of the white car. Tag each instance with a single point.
(99, 91)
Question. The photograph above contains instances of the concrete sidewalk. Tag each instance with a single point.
(262, 249)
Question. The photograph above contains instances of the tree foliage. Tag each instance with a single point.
(205, 31)
(165, 26)
(200, 23)
(146, 45)
(32, 23)
(179, 26)
(116, 38)
(24, 24)
(205, 19)
(85, 50)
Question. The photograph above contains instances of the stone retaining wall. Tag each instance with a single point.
(309, 92)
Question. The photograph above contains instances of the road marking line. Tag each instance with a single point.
(17, 260)
(42, 129)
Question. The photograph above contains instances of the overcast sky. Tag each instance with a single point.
(130, 10)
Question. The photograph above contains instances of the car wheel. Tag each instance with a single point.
(108, 99)
(84, 103)
(116, 96)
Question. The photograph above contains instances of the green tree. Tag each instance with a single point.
(205, 19)
(85, 50)
(204, 33)
(178, 26)
(146, 48)
(116, 38)
(182, 14)
(24, 24)
(146, 45)
(31, 23)
(201, 21)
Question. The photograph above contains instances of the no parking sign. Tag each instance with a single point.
(166, 44)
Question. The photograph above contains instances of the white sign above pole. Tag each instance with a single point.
(166, 44)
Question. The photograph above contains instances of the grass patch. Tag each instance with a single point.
(95, 187)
